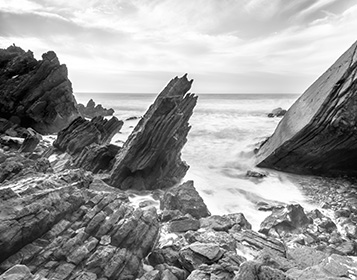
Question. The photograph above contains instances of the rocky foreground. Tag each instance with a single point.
(82, 208)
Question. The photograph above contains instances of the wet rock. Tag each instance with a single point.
(35, 93)
(186, 199)
(150, 158)
(91, 110)
(255, 174)
(318, 135)
(277, 112)
(288, 219)
(82, 133)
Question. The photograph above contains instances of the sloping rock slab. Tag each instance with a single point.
(150, 158)
(35, 93)
(318, 134)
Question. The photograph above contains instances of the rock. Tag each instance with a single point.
(91, 110)
(317, 135)
(252, 243)
(72, 232)
(252, 270)
(132, 118)
(278, 112)
(150, 158)
(192, 256)
(186, 199)
(31, 141)
(17, 272)
(96, 158)
(184, 224)
(226, 222)
(35, 93)
(255, 174)
(285, 220)
(332, 267)
(82, 133)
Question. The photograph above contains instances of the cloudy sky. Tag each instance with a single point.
(226, 46)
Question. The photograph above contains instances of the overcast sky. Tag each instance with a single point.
(226, 46)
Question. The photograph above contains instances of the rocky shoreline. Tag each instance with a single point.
(82, 208)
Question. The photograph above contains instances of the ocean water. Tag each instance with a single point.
(225, 130)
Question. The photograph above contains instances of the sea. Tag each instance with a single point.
(225, 130)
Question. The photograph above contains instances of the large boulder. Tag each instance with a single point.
(186, 199)
(33, 93)
(150, 158)
(318, 134)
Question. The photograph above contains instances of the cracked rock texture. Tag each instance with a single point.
(33, 93)
(318, 134)
(151, 157)
(67, 230)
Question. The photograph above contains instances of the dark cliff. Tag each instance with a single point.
(33, 93)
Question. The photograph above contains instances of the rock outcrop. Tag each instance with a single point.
(82, 133)
(318, 134)
(91, 110)
(33, 93)
(150, 158)
(62, 229)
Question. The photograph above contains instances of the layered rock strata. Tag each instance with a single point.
(33, 93)
(65, 230)
(82, 133)
(150, 158)
(318, 134)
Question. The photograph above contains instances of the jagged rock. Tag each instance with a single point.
(97, 158)
(72, 232)
(186, 199)
(82, 133)
(91, 110)
(318, 134)
(35, 93)
(288, 219)
(278, 112)
(150, 158)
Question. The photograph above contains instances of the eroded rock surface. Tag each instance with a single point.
(318, 134)
(33, 93)
(82, 133)
(67, 230)
(150, 158)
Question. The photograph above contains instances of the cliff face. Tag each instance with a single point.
(318, 134)
(150, 158)
(33, 93)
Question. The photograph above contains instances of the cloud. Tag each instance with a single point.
(228, 44)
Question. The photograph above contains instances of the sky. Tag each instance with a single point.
(226, 46)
